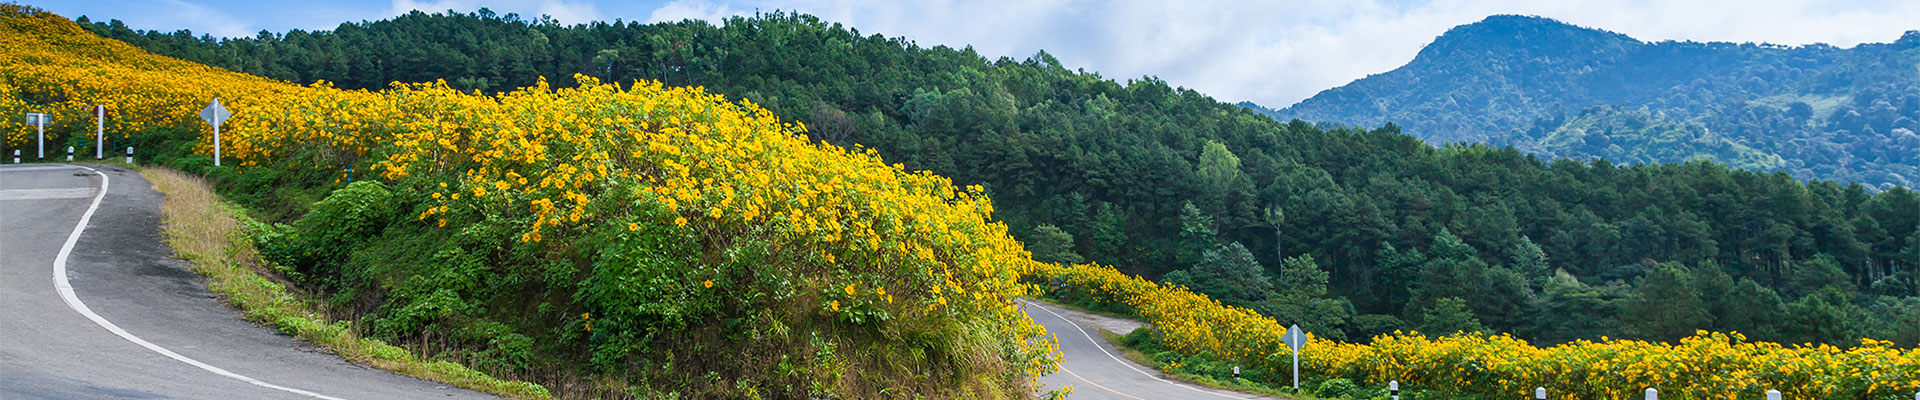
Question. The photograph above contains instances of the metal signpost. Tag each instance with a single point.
(40, 120)
(215, 114)
(100, 132)
(1296, 339)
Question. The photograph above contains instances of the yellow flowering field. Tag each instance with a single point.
(880, 264)
(1705, 366)
(54, 66)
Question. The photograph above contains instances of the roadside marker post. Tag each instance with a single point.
(100, 132)
(1236, 372)
(1539, 393)
(16, 156)
(39, 121)
(1773, 394)
(215, 114)
(1393, 387)
(129, 154)
(69, 153)
(1653, 394)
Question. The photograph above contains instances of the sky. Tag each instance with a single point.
(1274, 53)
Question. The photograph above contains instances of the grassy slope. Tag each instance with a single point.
(210, 234)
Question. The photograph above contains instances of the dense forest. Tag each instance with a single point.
(1553, 89)
(1351, 232)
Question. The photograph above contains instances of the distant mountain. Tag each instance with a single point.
(1551, 88)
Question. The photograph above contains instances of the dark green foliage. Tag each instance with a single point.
(1300, 297)
(1228, 274)
(1664, 307)
(1554, 89)
(1826, 316)
(1049, 244)
(1751, 309)
(318, 244)
(1567, 310)
(1449, 316)
(1341, 388)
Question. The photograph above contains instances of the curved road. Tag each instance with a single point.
(1096, 370)
(154, 331)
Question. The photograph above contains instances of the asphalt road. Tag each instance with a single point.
(1097, 372)
(174, 338)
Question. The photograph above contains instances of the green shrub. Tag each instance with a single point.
(1339, 388)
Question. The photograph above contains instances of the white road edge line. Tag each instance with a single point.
(73, 301)
(1124, 363)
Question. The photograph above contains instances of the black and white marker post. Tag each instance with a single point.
(129, 154)
(69, 153)
(1773, 394)
(1540, 393)
(1653, 394)
(1393, 389)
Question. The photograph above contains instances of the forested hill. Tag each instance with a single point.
(1554, 89)
(1378, 230)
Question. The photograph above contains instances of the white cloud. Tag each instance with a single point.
(1279, 53)
(178, 14)
(567, 12)
(1273, 53)
(680, 10)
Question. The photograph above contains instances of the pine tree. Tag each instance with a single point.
(1663, 307)
(1449, 316)
(1052, 245)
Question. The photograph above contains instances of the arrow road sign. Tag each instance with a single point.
(1295, 338)
(215, 114)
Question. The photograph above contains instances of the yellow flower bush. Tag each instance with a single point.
(1705, 366)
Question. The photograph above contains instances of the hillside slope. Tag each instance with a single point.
(603, 240)
(1816, 111)
(1358, 231)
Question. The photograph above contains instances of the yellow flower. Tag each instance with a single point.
(633, 226)
(849, 289)
(708, 283)
(680, 221)
(836, 305)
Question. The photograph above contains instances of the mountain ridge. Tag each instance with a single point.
(1512, 80)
